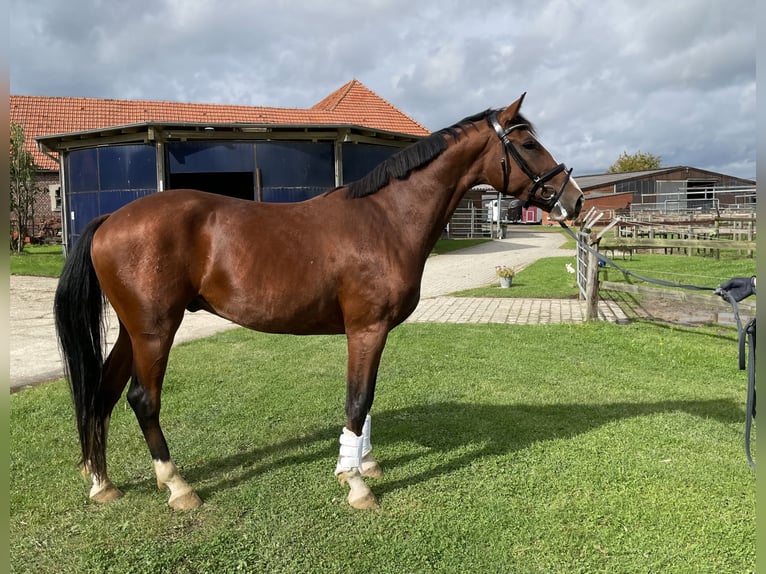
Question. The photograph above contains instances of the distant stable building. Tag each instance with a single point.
(670, 190)
(98, 155)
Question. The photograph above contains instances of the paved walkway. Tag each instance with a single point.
(475, 267)
(509, 310)
(34, 352)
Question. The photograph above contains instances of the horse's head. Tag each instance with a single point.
(528, 170)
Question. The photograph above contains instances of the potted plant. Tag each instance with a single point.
(506, 275)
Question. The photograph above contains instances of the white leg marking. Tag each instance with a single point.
(101, 490)
(182, 495)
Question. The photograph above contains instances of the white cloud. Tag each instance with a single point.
(675, 79)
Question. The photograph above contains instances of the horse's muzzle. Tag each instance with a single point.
(561, 213)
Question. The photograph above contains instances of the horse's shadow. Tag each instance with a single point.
(446, 428)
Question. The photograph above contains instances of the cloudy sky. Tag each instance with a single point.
(673, 78)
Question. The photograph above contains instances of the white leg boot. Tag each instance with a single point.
(370, 466)
(349, 471)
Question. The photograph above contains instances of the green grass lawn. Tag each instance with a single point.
(447, 245)
(549, 277)
(559, 448)
(702, 271)
(39, 260)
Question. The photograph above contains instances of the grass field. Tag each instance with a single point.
(558, 448)
(446, 245)
(38, 260)
(549, 278)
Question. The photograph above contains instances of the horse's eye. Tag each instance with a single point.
(531, 144)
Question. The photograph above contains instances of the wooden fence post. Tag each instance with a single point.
(591, 282)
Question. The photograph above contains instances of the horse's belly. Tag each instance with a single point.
(287, 316)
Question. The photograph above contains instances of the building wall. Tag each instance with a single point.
(101, 179)
(608, 203)
(46, 221)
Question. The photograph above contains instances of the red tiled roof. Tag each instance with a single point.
(353, 103)
(366, 108)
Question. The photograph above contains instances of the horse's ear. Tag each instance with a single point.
(510, 112)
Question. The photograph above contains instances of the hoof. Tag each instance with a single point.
(371, 468)
(360, 496)
(363, 501)
(187, 501)
(106, 494)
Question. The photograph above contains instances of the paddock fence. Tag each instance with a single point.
(628, 238)
(704, 235)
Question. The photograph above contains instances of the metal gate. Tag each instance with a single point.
(467, 222)
(582, 263)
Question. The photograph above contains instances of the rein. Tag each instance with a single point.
(746, 334)
(538, 181)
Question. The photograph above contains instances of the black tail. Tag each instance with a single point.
(78, 309)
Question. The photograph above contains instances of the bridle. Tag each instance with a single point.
(538, 181)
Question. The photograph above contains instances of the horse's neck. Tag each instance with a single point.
(425, 201)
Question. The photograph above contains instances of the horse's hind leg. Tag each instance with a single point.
(114, 376)
(150, 360)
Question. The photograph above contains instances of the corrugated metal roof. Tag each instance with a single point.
(587, 182)
(590, 181)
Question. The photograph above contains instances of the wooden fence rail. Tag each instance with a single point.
(714, 246)
(715, 301)
(587, 265)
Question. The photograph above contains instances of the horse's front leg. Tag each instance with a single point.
(355, 458)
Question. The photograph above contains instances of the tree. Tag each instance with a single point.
(638, 161)
(24, 189)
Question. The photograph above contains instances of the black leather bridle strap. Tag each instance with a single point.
(538, 181)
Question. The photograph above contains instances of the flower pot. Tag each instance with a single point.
(505, 282)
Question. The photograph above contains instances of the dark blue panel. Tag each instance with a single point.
(291, 194)
(111, 201)
(127, 167)
(85, 207)
(82, 170)
(207, 157)
(360, 159)
(296, 164)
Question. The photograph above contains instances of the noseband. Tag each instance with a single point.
(536, 193)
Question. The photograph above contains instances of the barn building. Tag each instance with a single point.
(668, 190)
(96, 155)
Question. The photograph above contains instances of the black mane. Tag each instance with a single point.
(415, 156)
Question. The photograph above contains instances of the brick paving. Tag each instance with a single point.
(475, 267)
(507, 310)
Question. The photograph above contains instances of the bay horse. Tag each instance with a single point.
(349, 262)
